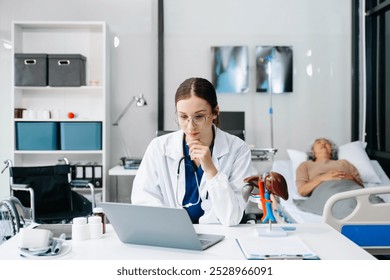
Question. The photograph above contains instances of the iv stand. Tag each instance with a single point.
(270, 111)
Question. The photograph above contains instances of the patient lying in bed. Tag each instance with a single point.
(324, 175)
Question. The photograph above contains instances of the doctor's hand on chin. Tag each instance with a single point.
(201, 155)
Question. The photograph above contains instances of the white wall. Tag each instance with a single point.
(319, 106)
(133, 65)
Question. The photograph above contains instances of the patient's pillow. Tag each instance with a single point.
(356, 154)
(296, 157)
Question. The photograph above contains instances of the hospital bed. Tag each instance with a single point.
(292, 214)
(368, 220)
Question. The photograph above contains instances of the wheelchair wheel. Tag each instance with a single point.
(9, 220)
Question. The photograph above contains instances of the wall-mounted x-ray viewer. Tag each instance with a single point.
(230, 69)
(280, 69)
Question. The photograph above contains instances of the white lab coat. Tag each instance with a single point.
(158, 184)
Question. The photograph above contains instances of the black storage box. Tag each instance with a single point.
(30, 69)
(67, 70)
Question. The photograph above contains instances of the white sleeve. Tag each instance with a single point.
(146, 188)
(225, 190)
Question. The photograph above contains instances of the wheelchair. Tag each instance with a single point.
(43, 195)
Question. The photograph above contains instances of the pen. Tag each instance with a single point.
(287, 257)
(284, 257)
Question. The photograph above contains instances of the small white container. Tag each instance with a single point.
(56, 114)
(95, 227)
(25, 114)
(32, 113)
(80, 229)
(45, 114)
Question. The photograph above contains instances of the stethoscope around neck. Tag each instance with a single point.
(177, 184)
(194, 168)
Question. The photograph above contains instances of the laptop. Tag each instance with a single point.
(156, 226)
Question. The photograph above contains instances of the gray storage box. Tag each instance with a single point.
(67, 70)
(30, 69)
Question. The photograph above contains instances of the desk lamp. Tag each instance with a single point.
(140, 102)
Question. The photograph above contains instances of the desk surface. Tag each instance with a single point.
(321, 238)
(121, 171)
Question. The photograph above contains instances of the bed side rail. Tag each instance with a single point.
(369, 223)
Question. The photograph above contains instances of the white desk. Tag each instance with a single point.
(120, 171)
(321, 238)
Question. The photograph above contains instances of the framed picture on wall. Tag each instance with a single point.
(274, 63)
(230, 69)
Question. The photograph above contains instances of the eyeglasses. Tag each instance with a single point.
(197, 120)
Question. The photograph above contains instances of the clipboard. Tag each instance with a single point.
(275, 248)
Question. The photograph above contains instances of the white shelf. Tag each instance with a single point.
(58, 120)
(31, 152)
(48, 88)
(89, 103)
(76, 25)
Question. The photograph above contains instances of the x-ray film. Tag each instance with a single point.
(274, 63)
(230, 69)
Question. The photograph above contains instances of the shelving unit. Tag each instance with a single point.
(89, 103)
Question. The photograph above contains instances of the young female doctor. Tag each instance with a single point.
(198, 167)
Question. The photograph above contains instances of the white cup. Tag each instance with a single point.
(25, 114)
(31, 114)
(39, 113)
(56, 114)
(45, 114)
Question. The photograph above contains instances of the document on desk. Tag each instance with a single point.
(276, 248)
